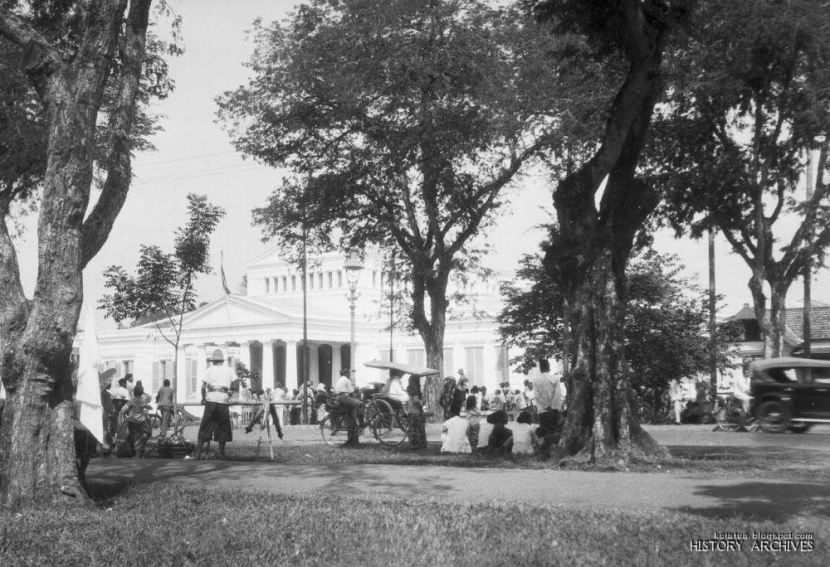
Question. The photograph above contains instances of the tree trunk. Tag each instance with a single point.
(774, 345)
(430, 283)
(37, 457)
(772, 320)
(600, 426)
(587, 257)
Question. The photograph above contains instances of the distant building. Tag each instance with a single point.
(264, 331)
(752, 343)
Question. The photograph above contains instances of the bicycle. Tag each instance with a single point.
(387, 425)
(730, 415)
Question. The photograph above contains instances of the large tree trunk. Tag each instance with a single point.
(37, 457)
(587, 259)
(588, 254)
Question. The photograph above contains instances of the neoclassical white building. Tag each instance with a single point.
(264, 330)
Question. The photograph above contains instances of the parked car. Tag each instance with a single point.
(790, 393)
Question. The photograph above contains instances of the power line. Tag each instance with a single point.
(196, 175)
(185, 158)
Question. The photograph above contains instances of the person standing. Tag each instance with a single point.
(138, 425)
(519, 402)
(447, 393)
(278, 396)
(417, 422)
(459, 396)
(216, 392)
(120, 394)
(259, 414)
(110, 419)
(531, 400)
(164, 401)
(548, 398)
(498, 401)
(344, 390)
(676, 398)
(130, 385)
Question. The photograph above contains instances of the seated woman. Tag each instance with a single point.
(501, 439)
(454, 435)
(393, 391)
(485, 429)
(524, 439)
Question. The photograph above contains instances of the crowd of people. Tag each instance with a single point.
(475, 422)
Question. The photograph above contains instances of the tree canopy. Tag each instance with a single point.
(402, 123)
(751, 99)
(665, 323)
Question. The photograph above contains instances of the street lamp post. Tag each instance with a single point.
(353, 265)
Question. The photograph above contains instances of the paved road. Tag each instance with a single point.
(806, 503)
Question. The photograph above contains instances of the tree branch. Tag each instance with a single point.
(97, 226)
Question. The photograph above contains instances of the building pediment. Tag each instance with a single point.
(234, 311)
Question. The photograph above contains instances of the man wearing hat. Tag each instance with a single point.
(344, 389)
(216, 390)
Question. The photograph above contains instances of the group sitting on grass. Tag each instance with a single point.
(493, 435)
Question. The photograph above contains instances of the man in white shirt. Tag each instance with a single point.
(216, 392)
(120, 395)
(344, 390)
(548, 398)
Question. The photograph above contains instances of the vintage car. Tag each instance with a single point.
(790, 393)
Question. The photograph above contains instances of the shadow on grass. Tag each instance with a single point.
(109, 477)
(759, 501)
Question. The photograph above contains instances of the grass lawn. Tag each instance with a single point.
(170, 525)
(179, 525)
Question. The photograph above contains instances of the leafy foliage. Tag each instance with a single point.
(22, 119)
(163, 285)
(664, 327)
(402, 124)
(752, 97)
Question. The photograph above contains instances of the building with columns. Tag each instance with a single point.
(264, 331)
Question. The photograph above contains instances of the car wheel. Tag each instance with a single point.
(773, 417)
(800, 427)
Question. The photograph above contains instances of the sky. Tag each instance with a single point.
(195, 156)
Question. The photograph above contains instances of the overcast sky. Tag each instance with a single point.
(194, 155)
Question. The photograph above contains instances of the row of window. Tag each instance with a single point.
(319, 280)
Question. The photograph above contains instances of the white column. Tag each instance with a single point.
(313, 362)
(491, 380)
(201, 365)
(357, 364)
(336, 362)
(181, 375)
(267, 364)
(291, 362)
(245, 354)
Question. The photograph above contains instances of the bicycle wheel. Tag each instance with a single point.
(155, 420)
(730, 418)
(389, 427)
(334, 429)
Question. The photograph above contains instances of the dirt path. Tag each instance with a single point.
(804, 503)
